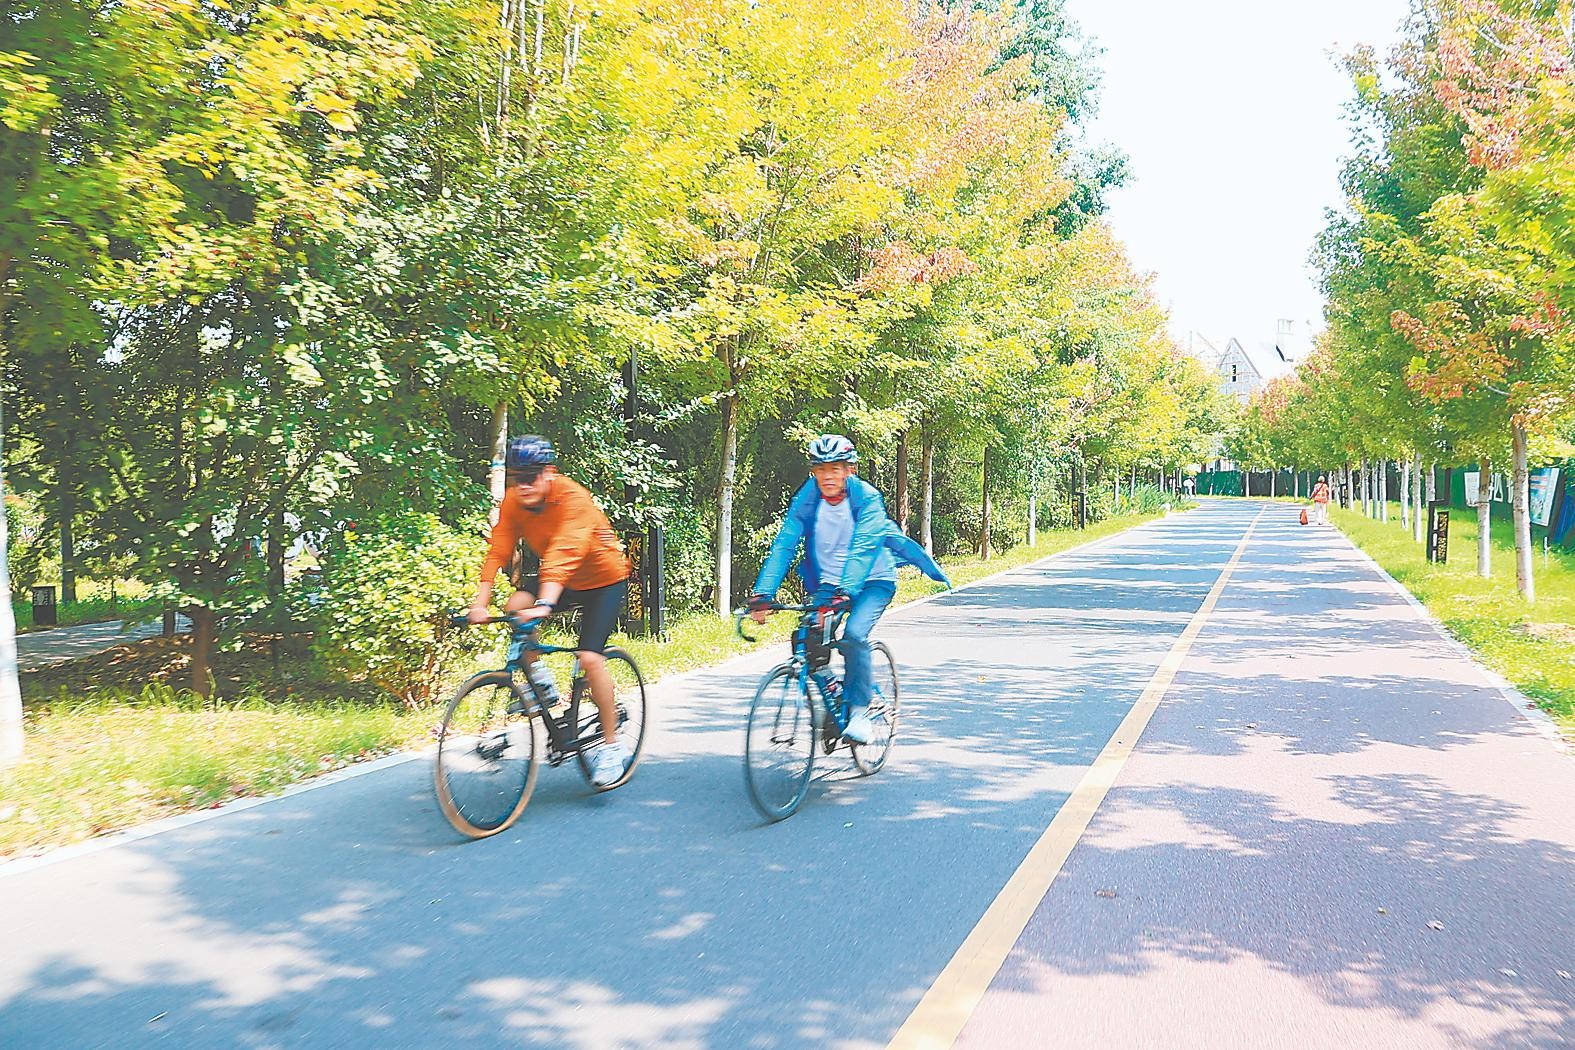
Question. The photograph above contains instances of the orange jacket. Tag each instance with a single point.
(1320, 493)
(569, 533)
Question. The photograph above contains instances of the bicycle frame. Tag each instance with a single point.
(830, 629)
(563, 739)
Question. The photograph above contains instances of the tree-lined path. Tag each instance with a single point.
(1333, 829)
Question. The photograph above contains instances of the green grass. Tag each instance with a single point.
(1531, 645)
(112, 760)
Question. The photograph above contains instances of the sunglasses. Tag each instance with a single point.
(525, 477)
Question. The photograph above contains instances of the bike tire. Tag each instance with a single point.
(780, 741)
(482, 792)
(885, 707)
(629, 687)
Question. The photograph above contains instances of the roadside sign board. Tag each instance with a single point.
(1438, 532)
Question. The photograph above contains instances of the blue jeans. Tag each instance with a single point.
(868, 605)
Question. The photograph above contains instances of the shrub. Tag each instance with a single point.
(1147, 499)
(381, 609)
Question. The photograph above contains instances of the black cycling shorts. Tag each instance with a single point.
(599, 609)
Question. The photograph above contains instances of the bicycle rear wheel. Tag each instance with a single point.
(486, 759)
(629, 691)
(779, 744)
(884, 708)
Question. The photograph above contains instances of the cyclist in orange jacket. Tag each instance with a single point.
(583, 565)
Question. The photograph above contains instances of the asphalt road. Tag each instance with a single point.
(1321, 755)
(58, 644)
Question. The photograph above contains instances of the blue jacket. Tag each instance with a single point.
(873, 534)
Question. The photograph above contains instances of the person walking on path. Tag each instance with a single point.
(1320, 501)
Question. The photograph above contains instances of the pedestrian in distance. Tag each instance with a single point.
(1320, 501)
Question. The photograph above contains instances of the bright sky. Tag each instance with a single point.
(1231, 112)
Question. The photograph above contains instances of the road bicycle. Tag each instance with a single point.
(490, 739)
(799, 708)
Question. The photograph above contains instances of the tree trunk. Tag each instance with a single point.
(1522, 516)
(1485, 519)
(724, 506)
(500, 448)
(984, 531)
(1274, 476)
(68, 547)
(1033, 511)
(900, 496)
(276, 546)
(1405, 494)
(1296, 483)
(10, 691)
(1383, 490)
(202, 636)
(927, 468)
(1419, 498)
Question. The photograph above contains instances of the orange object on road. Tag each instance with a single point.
(1304, 515)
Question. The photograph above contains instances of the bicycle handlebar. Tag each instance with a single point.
(519, 622)
(741, 614)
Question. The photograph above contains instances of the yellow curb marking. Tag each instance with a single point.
(940, 1016)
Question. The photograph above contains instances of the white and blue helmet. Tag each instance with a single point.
(832, 448)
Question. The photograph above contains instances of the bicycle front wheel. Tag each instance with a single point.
(629, 694)
(486, 758)
(884, 708)
(779, 744)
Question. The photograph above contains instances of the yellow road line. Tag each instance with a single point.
(939, 1017)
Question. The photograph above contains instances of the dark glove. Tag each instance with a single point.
(758, 602)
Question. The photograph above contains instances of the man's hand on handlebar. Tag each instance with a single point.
(760, 608)
(478, 614)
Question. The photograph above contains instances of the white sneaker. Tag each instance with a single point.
(608, 764)
(860, 729)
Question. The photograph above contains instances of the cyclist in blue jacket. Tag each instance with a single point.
(851, 550)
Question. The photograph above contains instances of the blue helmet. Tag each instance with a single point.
(832, 448)
(528, 454)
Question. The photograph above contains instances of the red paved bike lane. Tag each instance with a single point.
(1334, 831)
